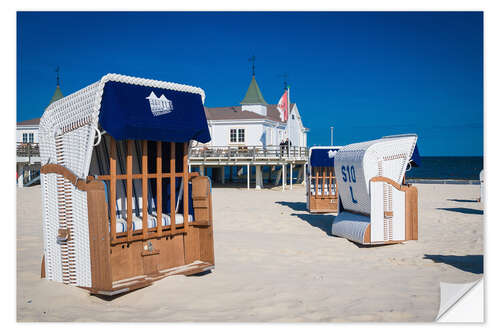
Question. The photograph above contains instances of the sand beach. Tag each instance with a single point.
(275, 262)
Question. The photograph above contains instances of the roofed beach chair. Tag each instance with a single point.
(321, 183)
(120, 209)
(378, 208)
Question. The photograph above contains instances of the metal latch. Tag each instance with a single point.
(63, 235)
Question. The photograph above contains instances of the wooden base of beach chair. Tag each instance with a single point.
(323, 205)
(126, 285)
(136, 261)
(322, 196)
(126, 266)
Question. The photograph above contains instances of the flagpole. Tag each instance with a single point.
(288, 118)
(289, 134)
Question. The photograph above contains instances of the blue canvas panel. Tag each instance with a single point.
(415, 158)
(144, 113)
(321, 157)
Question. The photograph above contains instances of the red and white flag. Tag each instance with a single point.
(283, 106)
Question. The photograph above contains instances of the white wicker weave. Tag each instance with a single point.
(355, 166)
(67, 134)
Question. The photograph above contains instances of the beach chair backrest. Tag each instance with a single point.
(357, 163)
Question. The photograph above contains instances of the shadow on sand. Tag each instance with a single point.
(468, 263)
(297, 206)
(462, 200)
(323, 222)
(369, 246)
(464, 210)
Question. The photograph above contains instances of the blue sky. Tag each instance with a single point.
(366, 74)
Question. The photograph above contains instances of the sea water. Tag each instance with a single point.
(432, 167)
(448, 167)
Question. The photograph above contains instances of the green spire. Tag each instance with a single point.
(253, 95)
(58, 93)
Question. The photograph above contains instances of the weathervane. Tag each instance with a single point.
(57, 71)
(285, 77)
(252, 59)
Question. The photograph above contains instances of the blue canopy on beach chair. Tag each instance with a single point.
(323, 157)
(415, 159)
(136, 112)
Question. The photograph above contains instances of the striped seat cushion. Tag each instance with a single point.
(121, 223)
(325, 187)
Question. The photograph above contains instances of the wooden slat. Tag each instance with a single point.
(411, 213)
(367, 236)
(158, 189)
(206, 238)
(99, 237)
(186, 185)
(316, 183)
(112, 187)
(144, 188)
(172, 187)
(121, 237)
(323, 183)
(330, 181)
(139, 176)
(129, 189)
(414, 210)
(42, 273)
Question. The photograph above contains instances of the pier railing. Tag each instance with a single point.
(27, 149)
(248, 153)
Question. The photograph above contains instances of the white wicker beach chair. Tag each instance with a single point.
(321, 183)
(377, 207)
(114, 160)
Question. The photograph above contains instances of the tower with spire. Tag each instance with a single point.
(57, 93)
(253, 100)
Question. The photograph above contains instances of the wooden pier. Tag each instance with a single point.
(202, 157)
(218, 157)
(27, 163)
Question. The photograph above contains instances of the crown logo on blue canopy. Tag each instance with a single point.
(159, 105)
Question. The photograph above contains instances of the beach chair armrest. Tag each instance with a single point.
(58, 169)
(388, 181)
(402, 188)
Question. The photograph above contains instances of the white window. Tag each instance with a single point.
(236, 135)
(241, 135)
(232, 135)
(30, 137)
(25, 137)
